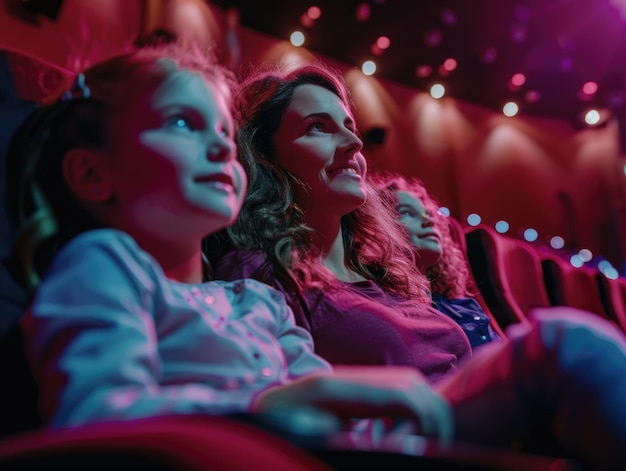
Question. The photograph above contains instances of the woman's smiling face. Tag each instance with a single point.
(317, 143)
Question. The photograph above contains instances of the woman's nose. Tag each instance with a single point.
(221, 149)
(352, 141)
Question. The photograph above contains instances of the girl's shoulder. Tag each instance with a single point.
(104, 250)
(106, 237)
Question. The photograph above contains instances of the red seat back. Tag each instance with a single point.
(508, 272)
(571, 286)
(458, 235)
(613, 294)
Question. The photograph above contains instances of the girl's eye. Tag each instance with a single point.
(180, 122)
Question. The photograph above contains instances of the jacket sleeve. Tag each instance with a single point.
(91, 340)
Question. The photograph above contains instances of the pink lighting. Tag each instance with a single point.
(383, 42)
(450, 64)
(532, 96)
(306, 21)
(518, 80)
(423, 71)
(314, 12)
(363, 12)
(590, 88)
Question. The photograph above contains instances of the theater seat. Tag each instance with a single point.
(570, 286)
(176, 443)
(508, 273)
(613, 295)
(458, 235)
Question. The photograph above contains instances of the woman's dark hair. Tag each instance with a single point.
(271, 219)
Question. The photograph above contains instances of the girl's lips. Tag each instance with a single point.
(430, 235)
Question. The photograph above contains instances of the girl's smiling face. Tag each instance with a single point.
(317, 143)
(173, 160)
(421, 228)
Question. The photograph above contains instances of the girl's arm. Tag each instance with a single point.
(92, 341)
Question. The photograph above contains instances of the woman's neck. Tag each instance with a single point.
(333, 257)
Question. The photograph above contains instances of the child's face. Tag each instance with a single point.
(174, 162)
(421, 228)
(317, 142)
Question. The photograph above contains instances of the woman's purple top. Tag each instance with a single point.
(361, 324)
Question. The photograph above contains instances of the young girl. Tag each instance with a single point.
(314, 227)
(437, 254)
(114, 185)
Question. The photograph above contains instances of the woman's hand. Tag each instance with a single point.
(368, 391)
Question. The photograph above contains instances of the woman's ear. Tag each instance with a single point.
(87, 175)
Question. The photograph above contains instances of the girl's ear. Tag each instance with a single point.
(87, 175)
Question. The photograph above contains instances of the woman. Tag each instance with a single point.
(313, 227)
(321, 234)
(437, 255)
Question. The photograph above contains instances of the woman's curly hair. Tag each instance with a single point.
(271, 219)
(450, 276)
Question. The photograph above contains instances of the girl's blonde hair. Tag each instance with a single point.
(450, 276)
(40, 204)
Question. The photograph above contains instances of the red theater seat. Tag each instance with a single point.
(570, 286)
(508, 273)
(613, 294)
(458, 234)
(181, 443)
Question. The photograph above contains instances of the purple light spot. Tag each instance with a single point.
(433, 37)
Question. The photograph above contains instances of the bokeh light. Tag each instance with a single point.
(557, 242)
(502, 227)
(474, 219)
(314, 12)
(368, 67)
(592, 117)
(437, 91)
(585, 255)
(297, 38)
(530, 235)
(510, 109)
(450, 64)
(589, 88)
(576, 261)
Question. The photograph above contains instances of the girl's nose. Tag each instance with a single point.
(427, 220)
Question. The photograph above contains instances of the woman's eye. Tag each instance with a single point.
(226, 133)
(317, 127)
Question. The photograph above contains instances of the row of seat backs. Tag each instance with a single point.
(514, 278)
